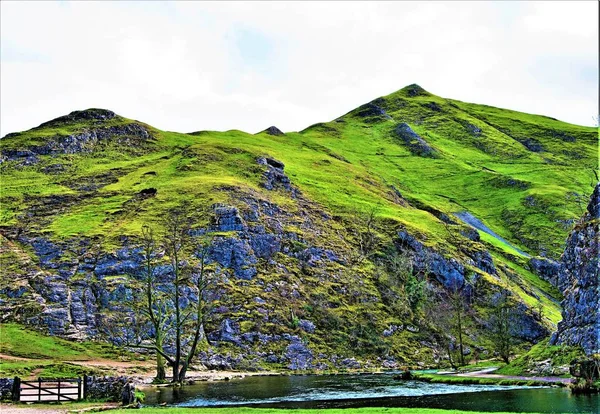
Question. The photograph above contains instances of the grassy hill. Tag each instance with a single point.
(29, 353)
(420, 164)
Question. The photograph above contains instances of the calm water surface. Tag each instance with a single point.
(374, 390)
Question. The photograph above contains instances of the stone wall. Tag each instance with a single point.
(105, 387)
(6, 388)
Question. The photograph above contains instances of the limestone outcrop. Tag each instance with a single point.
(580, 275)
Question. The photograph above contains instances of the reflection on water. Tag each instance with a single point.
(379, 390)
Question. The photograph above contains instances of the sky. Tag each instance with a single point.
(192, 66)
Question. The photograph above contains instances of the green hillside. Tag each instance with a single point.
(411, 159)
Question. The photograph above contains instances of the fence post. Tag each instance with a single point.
(79, 388)
(59, 389)
(85, 390)
(39, 388)
(16, 389)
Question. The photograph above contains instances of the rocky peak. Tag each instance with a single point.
(580, 274)
(413, 90)
(92, 114)
(273, 130)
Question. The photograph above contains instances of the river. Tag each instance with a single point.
(370, 390)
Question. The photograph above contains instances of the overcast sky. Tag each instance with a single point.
(197, 65)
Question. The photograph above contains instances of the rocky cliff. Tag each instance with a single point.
(579, 275)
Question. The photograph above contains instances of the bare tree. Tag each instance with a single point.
(440, 311)
(153, 306)
(457, 302)
(500, 322)
(176, 240)
(202, 280)
(364, 221)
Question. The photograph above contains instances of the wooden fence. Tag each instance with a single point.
(49, 389)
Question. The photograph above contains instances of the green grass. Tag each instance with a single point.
(48, 356)
(18, 341)
(559, 355)
(44, 369)
(450, 379)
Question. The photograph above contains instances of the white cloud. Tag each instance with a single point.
(183, 66)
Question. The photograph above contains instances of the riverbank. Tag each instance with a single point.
(89, 407)
(486, 377)
(238, 410)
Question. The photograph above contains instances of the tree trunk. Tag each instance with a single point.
(198, 337)
(161, 374)
(460, 340)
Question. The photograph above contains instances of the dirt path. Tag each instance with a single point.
(15, 358)
(45, 409)
(13, 409)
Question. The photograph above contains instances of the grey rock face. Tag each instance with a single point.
(580, 274)
(350, 363)
(265, 245)
(273, 130)
(299, 356)
(448, 271)
(218, 361)
(482, 259)
(548, 270)
(84, 141)
(524, 326)
(227, 218)
(314, 256)
(372, 112)
(306, 325)
(415, 143)
(274, 177)
(532, 145)
(235, 254)
(228, 332)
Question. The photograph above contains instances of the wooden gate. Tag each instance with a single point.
(48, 389)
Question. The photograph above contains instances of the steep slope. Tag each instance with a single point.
(580, 279)
(307, 227)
